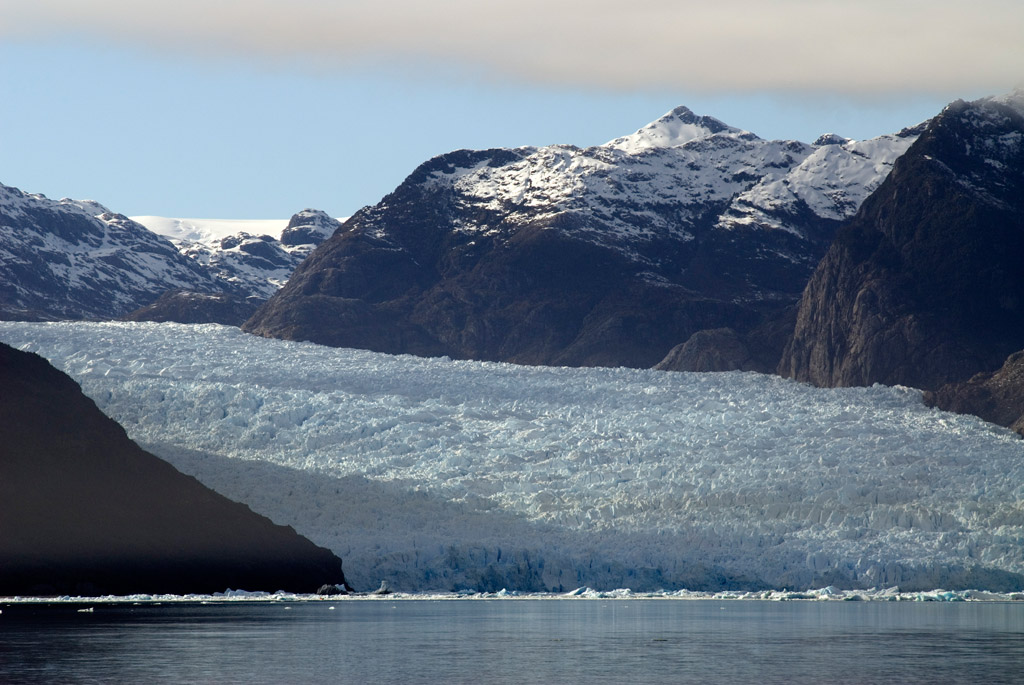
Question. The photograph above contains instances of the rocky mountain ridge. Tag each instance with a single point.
(76, 259)
(609, 255)
(248, 264)
(73, 259)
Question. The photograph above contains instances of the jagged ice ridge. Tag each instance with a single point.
(440, 475)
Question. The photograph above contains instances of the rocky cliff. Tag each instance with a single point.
(997, 397)
(924, 286)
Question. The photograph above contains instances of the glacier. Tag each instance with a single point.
(441, 475)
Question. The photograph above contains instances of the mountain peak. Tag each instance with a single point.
(310, 226)
(831, 139)
(677, 127)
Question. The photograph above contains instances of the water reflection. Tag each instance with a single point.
(517, 641)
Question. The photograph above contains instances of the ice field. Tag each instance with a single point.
(448, 475)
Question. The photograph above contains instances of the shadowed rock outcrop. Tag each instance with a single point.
(185, 306)
(85, 511)
(996, 397)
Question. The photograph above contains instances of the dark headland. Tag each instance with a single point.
(86, 511)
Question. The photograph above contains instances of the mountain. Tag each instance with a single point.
(436, 474)
(73, 259)
(609, 255)
(924, 286)
(86, 511)
(249, 258)
(249, 266)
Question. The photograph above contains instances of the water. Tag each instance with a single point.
(516, 641)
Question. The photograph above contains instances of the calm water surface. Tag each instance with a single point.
(516, 641)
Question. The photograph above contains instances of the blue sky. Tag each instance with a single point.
(188, 111)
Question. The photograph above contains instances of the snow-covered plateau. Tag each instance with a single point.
(440, 475)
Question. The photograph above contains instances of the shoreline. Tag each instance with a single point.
(235, 597)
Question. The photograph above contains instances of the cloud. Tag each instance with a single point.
(868, 47)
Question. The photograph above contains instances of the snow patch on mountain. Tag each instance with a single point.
(675, 128)
(832, 181)
(438, 474)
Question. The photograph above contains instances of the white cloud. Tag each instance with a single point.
(869, 46)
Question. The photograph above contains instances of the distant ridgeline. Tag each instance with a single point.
(85, 511)
(71, 259)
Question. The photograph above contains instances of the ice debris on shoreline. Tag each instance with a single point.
(830, 594)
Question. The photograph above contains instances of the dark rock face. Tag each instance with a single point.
(605, 256)
(331, 590)
(718, 349)
(723, 349)
(86, 511)
(996, 397)
(77, 260)
(924, 286)
(183, 306)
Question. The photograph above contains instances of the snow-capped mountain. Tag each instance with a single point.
(438, 474)
(606, 255)
(72, 259)
(251, 258)
(76, 259)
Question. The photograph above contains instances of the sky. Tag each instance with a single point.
(253, 109)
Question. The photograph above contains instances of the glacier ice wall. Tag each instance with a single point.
(440, 474)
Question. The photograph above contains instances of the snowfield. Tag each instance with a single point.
(209, 231)
(448, 475)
